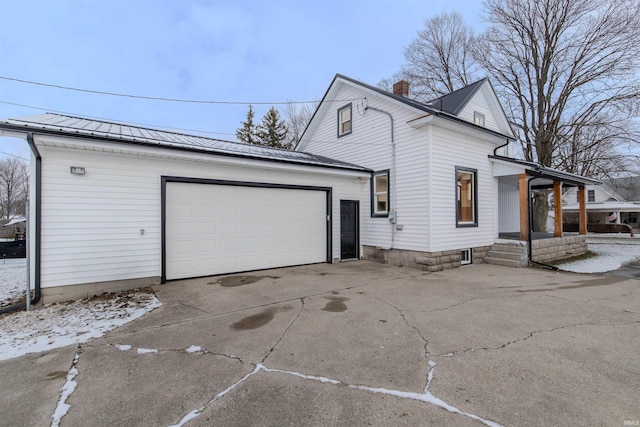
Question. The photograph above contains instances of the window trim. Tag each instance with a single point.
(465, 224)
(340, 110)
(479, 115)
(375, 214)
(591, 196)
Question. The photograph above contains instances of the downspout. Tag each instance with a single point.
(530, 234)
(36, 240)
(495, 150)
(393, 199)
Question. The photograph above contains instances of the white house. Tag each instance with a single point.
(116, 206)
(444, 187)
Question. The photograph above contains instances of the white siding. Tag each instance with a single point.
(601, 195)
(509, 207)
(486, 103)
(91, 224)
(369, 145)
(451, 149)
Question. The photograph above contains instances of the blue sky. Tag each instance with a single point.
(239, 50)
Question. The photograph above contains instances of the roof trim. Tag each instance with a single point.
(536, 169)
(76, 133)
(472, 89)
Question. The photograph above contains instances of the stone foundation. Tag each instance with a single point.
(426, 261)
(86, 290)
(558, 248)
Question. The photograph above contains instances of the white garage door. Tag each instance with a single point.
(216, 229)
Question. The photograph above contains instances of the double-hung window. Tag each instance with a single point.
(478, 118)
(344, 120)
(466, 197)
(380, 194)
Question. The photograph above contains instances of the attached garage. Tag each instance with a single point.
(116, 207)
(213, 227)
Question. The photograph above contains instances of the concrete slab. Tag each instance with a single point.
(507, 346)
(30, 386)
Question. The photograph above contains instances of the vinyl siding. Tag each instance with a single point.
(369, 145)
(509, 207)
(91, 224)
(451, 149)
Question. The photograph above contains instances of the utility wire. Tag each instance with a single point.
(156, 98)
(114, 120)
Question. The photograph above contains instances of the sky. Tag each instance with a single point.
(258, 51)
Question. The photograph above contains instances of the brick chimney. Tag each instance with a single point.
(401, 88)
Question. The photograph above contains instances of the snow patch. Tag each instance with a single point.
(194, 349)
(609, 257)
(67, 389)
(146, 350)
(123, 347)
(13, 280)
(58, 325)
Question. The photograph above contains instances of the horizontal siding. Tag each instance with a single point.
(369, 145)
(451, 149)
(508, 207)
(91, 224)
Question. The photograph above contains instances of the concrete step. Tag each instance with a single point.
(509, 248)
(503, 262)
(505, 255)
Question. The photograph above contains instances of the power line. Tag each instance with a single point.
(13, 155)
(156, 98)
(114, 120)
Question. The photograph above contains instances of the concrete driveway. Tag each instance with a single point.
(356, 343)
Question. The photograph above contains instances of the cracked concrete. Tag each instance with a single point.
(354, 344)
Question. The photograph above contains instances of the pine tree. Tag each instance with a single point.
(272, 132)
(247, 133)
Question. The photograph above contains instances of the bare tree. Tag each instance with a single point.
(567, 71)
(14, 188)
(439, 60)
(297, 117)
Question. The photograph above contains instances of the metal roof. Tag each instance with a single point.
(536, 169)
(454, 102)
(63, 125)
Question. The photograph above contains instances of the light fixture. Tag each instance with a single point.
(77, 170)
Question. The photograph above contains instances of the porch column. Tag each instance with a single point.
(524, 206)
(582, 200)
(557, 208)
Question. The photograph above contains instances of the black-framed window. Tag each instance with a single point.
(591, 196)
(380, 194)
(344, 120)
(466, 197)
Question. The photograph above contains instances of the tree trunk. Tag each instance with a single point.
(540, 210)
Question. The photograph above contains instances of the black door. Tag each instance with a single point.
(349, 246)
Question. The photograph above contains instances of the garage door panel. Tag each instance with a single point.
(216, 229)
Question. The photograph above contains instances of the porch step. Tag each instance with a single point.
(507, 255)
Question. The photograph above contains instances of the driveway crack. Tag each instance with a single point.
(62, 408)
(284, 333)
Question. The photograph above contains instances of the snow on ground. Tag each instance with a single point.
(13, 281)
(58, 325)
(612, 252)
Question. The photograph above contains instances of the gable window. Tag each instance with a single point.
(591, 196)
(466, 197)
(380, 194)
(478, 118)
(344, 120)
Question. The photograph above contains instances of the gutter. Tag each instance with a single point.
(38, 225)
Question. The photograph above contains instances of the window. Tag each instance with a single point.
(633, 217)
(466, 197)
(466, 256)
(344, 120)
(478, 118)
(380, 194)
(591, 196)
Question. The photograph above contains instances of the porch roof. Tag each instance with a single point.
(604, 207)
(546, 175)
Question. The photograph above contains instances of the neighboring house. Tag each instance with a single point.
(444, 187)
(117, 206)
(616, 201)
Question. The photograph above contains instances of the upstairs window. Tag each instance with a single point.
(380, 194)
(466, 197)
(591, 196)
(478, 118)
(344, 120)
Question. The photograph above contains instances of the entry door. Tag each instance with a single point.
(349, 246)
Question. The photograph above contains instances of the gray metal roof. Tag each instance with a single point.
(627, 187)
(454, 102)
(63, 125)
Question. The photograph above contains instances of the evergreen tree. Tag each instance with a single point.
(247, 133)
(272, 132)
